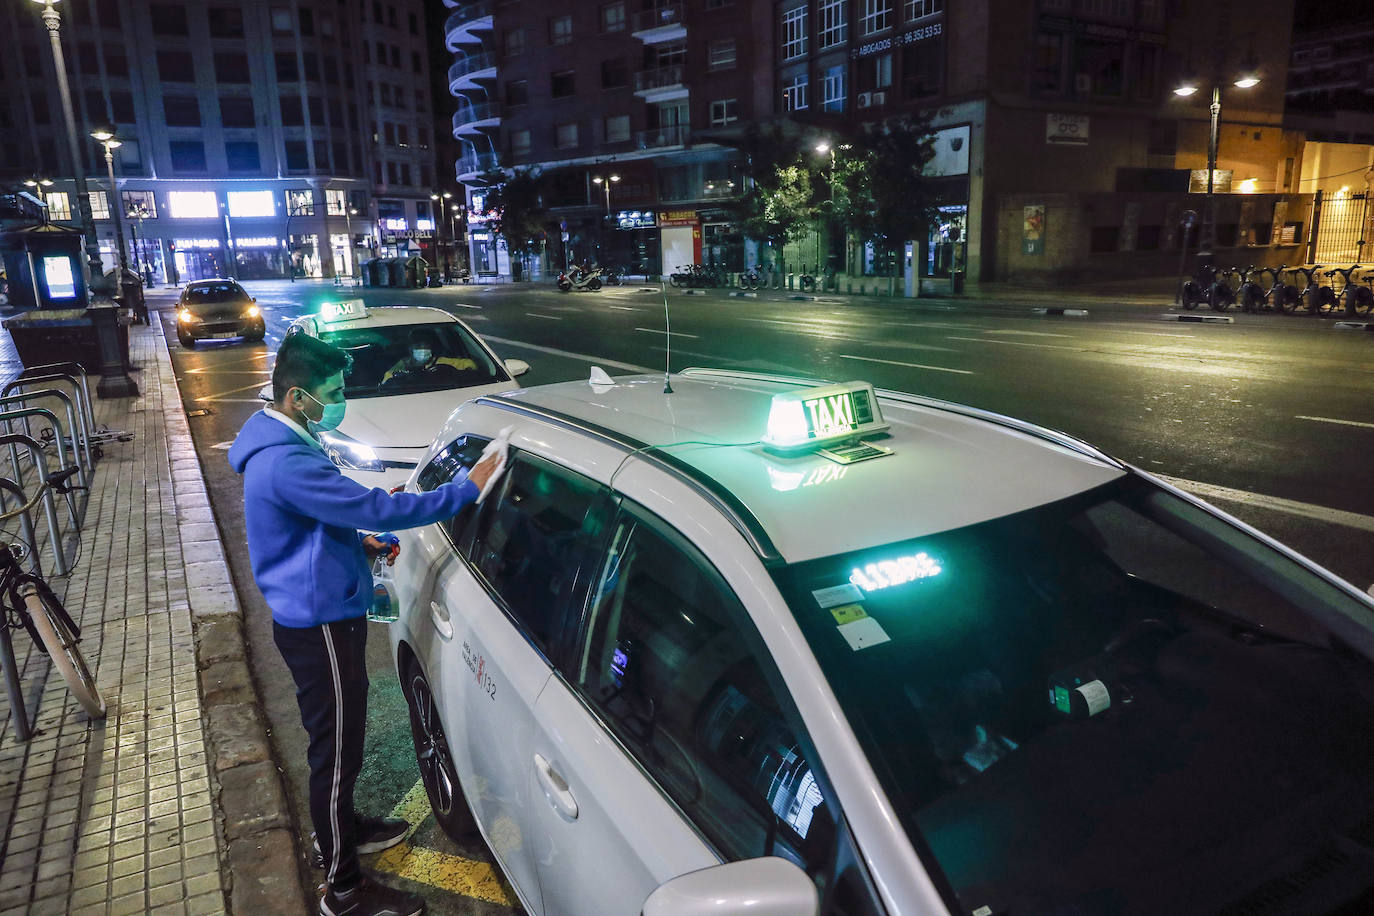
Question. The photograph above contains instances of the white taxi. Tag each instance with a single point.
(397, 402)
(752, 645)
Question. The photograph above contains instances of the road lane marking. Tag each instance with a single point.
(455, 874)
(1334, 420)
(1028, 333)
(549, 317)
(625, 308)
(893, 362)
(464, 305)
(219, 396)
(554, 351)
(1016, 343)
(673, 333)
(1211, 491)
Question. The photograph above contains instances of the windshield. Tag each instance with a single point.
(385, 359)
(215, 292)
(1113, 704)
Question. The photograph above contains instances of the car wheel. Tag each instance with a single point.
(435, 760)
(187, 341)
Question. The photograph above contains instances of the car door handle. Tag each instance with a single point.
(555, 789)
(439, 614)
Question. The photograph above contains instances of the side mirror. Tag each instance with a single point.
(754, 887)
(252, 298)
(265, 393)
(1371, 591)
(517, 367)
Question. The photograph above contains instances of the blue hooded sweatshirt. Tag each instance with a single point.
(303, 518)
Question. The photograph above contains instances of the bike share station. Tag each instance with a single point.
(62, 335)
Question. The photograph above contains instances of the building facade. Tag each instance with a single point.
(1061, 149)
(614, 103)
(260, 138)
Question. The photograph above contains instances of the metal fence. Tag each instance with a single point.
(1343, 229)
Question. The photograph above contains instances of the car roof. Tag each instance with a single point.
(951, 466)
(217, 281)
(389, 315)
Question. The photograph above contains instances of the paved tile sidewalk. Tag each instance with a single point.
(116, 816)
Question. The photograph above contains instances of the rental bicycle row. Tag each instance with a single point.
(1315, 289)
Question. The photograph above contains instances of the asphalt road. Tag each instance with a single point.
(1269, 417)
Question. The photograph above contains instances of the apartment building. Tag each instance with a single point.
(257, 138)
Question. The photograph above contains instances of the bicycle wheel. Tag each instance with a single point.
(1288, 299)
(50, 623)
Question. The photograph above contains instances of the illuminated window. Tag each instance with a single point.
(560, 30)
(833, 88)
(916, 9)
(834, 22)
(100, 205)
(139, 204)
(252, 203)
(192, 204)
(794, 93)
(335, 202)
(613, 17)
(59, 205)
(794, 33)
(300, 203)
(720, 55)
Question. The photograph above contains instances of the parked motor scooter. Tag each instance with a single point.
(580, 279)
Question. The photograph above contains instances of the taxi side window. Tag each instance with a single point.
(459, 455)
(530, 540)
(666, 660)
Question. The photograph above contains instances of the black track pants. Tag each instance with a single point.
(329, 665)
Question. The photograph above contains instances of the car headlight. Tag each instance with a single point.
(184, 315)
(348, 453)
(251, 312)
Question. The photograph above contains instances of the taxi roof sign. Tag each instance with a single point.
(813, 417)
(344, 310)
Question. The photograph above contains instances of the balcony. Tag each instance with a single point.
(465, 73)
(662, 84)
(470, 165)
(659, 25)
(474, 118)
(465, 22)
(661, 137)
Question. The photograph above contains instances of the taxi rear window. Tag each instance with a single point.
(385, 363)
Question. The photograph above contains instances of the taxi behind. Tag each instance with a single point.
(396, 404)
(733, 643)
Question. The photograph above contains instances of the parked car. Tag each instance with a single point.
(217, 310)
(760, 645)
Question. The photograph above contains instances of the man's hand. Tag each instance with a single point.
(376, 547)
(483, 470)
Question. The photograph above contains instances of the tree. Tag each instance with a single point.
(777, 204)
(518, 204)
(886, 199)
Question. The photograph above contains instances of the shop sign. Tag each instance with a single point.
(635, 219)
(677, 217)
(1066, 129)
(924, 33)
(1033, 229)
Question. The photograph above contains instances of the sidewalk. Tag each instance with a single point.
(171, 804)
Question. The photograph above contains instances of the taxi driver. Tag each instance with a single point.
(423, 356)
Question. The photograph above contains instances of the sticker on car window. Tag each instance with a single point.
(863, 633)
(840, 594)
(848, 613)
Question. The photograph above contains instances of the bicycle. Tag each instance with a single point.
(1312, 293)
(806, 281)
(1221, 295)
(1358, 299)
(750, 279)
(28, 603)
(1282, 296)
(1251, 294)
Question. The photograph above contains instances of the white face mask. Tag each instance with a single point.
(421, 356)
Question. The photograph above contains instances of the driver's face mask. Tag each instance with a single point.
(421, 355)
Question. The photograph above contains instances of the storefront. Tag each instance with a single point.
(636, 242)
(198, 259)
(679, 238)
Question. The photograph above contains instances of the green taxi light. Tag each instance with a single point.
(346, 310)
(818, 416)
(873, 577)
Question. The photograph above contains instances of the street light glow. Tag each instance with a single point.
(1246, 81)
(1186, 90)
(103, 134)
(822, 147)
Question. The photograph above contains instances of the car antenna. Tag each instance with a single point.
(668, 340)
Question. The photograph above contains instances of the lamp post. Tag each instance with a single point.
(139, 212)
(37, 184)
(1248, 78)
(105, 136)
(439, 198)
(349, 213)
(53, 20)
(605, 185)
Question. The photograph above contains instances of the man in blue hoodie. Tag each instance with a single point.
(312, 566)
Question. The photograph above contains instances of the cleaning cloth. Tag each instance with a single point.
(500, 446)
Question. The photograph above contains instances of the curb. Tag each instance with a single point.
(739, 295)
(1071, 313)
(257, 833)
(1354, 326)
(692, 292)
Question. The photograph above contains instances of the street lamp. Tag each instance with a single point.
(349, 213)
(140, 212)
(53, 20)
(105, 136)
(605, 184)
(1248, 78)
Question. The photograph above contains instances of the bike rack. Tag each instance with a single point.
(80, 442)
(23, 729)
(39, 458)
(70, 372)
(59, 555)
